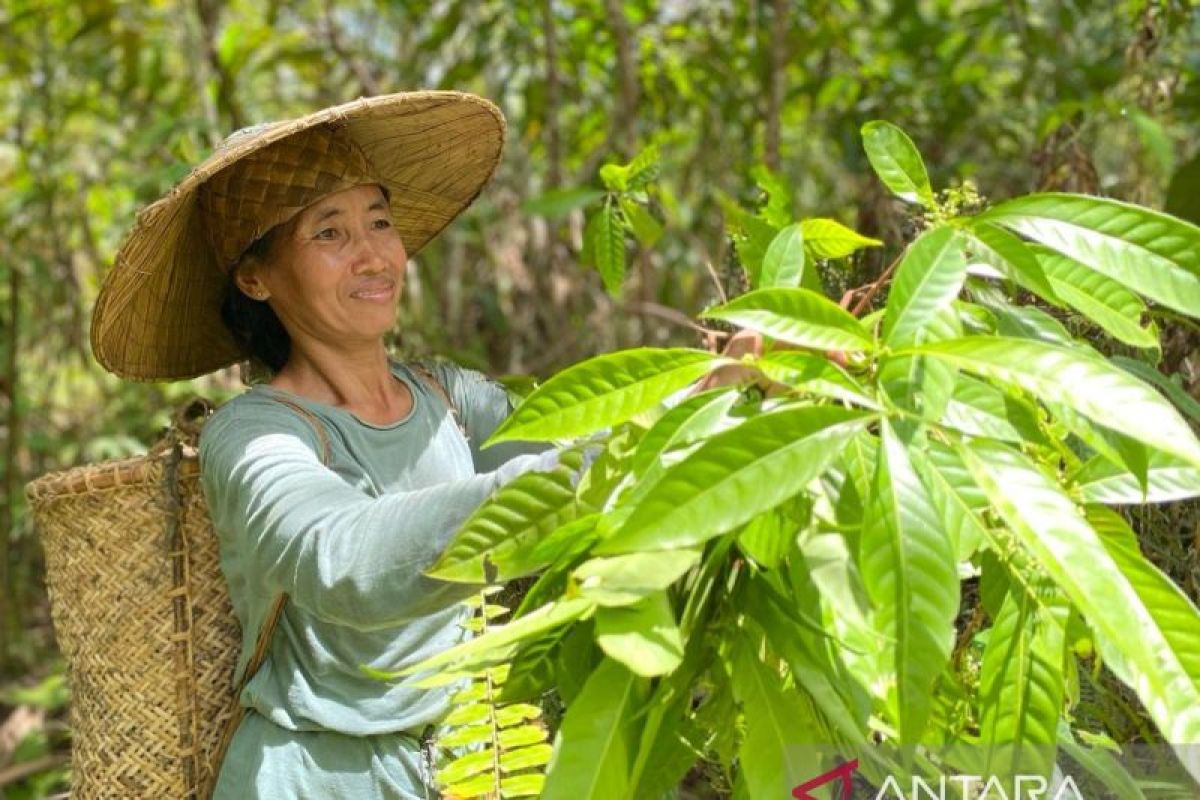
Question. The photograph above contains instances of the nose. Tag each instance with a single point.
(373, 255)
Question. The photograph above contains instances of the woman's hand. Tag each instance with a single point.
(741, 343)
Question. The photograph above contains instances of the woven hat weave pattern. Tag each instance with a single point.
(158, 313)
(270, 186)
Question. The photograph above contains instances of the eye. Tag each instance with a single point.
(325, 233)
(382, 223)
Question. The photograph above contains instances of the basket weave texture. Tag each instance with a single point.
(143, 617)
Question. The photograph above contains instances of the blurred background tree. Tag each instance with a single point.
(105, 104)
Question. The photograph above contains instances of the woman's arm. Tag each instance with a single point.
(339, 553)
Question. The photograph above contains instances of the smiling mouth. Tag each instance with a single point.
(378, 292)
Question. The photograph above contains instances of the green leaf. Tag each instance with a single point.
(1116, 592)
(645, 228)
(642, 636)
(1088, 384)
(523, 786)
(1000, 249)
(1101, 763)
(783, 263)
(1176, 393)
(1174, 615)
(533, 755)
(813, 374)
(751, 237)
(1168, 480)
(497, 542)
(980, 409)
(767, 538)
(797, 316)
(627, 579)
(602, 392)
(1021, 684)
(1102, 300)
(778, 209)
(500, 637)
(735, 476)
(1152, 253)
(828, 238)
(910, 571)
(643, 169)
(772, 765)
(692, 419)
(896, 161)
(558, 202)
(593, 748)
(958, 500)
(929, 278)
(609, 248)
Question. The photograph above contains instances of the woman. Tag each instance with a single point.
(342, 478)
(339, 480)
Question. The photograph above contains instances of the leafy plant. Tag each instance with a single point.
(777, 581)
(498, 747)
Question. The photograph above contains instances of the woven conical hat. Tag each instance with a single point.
(158, 313)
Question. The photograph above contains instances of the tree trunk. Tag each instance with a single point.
(776, 72)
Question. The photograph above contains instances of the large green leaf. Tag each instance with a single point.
(1168, 479)
(605, 236)
(735, 476)
(828, 238)
(1102, 300)
(687, 422)
(501, 637)
(1090, 385)
(958, 500)
(980, 409)
(996, 247)
(642, 636)
(1110, 588)
(783, 264)
(1021, 684)
(626, 579)
(930, 276)
(601, 392)
(910, 571)
(1154, 254)
(896, 161)
(797, 316)
(498, 541)
(777, 718)
(593, 748)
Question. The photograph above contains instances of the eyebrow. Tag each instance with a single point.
(378, 205)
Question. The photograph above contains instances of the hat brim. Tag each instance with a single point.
(158, 313)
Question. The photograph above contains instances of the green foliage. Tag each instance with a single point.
(796, 559)
(498, 748)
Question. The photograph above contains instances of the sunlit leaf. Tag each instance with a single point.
(734, 476)
(1090, 385)
(797, 316)
(601, 392)
(896, 161)
(1152, 253)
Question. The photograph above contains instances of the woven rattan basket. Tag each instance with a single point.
(143, 617)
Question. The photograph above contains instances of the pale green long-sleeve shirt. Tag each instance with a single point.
(348, 543)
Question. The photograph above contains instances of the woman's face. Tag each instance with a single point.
(336, 269)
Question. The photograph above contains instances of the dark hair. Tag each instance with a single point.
(253, 323)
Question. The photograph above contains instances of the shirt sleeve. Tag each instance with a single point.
(484, 404)
(340, 554)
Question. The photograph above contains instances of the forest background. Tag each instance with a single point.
(105, 104)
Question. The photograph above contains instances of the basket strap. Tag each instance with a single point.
(431, 379)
